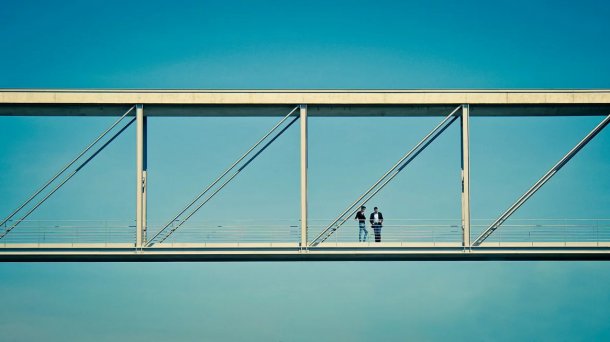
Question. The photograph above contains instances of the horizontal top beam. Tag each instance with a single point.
(305, 96)
(42, 102)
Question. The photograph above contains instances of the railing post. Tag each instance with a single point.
(465, 133)
(303, 116)
(141, 168)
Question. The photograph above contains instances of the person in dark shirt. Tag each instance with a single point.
(376, 220)
(362, 224)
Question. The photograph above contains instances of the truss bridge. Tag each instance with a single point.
(303, 238)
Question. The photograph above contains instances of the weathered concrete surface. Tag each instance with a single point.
(38, 102)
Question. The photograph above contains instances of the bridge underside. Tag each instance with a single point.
(292, 252)
(333, 110)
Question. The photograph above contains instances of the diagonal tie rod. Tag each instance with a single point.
(497, 223)
(217, 180)
(399, 166)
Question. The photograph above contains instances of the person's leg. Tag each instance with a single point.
(366, 232)
(377, 233)
(361, 231)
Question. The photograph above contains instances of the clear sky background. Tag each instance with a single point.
(317, 45)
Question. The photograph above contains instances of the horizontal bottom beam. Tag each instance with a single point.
(295, 254)
(314, 110)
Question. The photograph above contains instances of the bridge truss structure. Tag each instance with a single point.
(301, 239)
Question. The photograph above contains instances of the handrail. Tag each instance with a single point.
(403, 230)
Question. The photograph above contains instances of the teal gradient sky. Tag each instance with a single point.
(312, 44)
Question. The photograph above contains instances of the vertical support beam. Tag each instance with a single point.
(141, 168)
(144, 178)
(303, 116)
(465, 133)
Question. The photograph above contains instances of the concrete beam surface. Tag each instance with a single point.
(53, 102)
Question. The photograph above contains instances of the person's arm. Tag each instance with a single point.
(380, 218)
(372, 218)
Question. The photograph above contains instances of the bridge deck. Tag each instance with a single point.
(278, 240)
(292, 252)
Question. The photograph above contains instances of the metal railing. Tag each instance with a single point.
(395, 230)
(236, 231)
(432, 231)
(70, 232)
(547, 230)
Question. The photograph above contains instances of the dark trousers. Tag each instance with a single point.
(377, 230)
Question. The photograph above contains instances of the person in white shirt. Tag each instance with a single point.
(376, 220)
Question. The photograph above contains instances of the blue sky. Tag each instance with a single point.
(319, 45)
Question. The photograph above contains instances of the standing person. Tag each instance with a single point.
(362, 224)
(377, 222)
